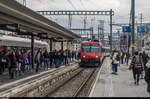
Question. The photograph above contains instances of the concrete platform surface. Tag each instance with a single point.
(121, 85)
(7, 83)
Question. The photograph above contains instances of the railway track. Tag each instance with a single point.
(84, 83)
(74, 86)
(79, 85)
(71, 82)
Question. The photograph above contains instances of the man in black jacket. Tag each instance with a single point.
(0, 63)
(13, 64)
(3, 62)
(145, 59)
(147, 76)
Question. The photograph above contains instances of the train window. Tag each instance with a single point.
(92, 48)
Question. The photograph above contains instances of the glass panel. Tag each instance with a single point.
(91, 48)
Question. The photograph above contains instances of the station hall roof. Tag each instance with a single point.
(12, 12)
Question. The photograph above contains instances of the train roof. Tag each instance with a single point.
(91, 43)
(10, 39)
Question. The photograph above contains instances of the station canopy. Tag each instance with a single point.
(29, 21)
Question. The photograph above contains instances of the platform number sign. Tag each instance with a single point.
(126, 29)
(142, 29)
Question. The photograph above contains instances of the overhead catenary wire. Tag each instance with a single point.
(69, 1)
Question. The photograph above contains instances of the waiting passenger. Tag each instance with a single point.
(147, 76)
(13, 64)
(38, 59)
(136, 65)
(57, 59)
(115, 62)
(51, 58)
(46, 59)
(69, 57)
(9, 61)
(25, 61)
(30, 62)
(65, 54)
(145, 59)
(20, 62)
(61, 57)
(3, 62)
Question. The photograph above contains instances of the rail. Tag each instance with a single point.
(83, 84)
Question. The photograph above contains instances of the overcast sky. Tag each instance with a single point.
(120, 7)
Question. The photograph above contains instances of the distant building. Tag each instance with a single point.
(147, 39)
(123, 42)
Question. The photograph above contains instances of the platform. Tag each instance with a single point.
(121, 85)
(7, 83)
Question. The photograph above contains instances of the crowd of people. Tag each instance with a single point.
(140, 65)
(19, 62)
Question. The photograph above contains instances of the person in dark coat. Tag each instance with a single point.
(51, 58)
(46, 59)
(127, 58)
(20, 61)
(13, 64)
(30, 62)
(38, 59)
(3, 62)
(65, 57)
(1, 70)
(9, 61)
(147, 76)
(145, 60)
(57, 57)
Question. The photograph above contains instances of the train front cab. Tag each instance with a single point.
(90, 62)
(90, 59)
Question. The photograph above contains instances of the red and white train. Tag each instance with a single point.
(91, 53)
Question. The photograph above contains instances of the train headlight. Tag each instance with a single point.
(83, 56)
(96, 56)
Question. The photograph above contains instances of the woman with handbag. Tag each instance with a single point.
(115, 62)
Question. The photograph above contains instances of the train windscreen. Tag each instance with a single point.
(90, 48)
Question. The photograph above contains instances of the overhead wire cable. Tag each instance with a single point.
(69, 1)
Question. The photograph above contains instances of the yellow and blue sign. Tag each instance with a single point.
(132, 45)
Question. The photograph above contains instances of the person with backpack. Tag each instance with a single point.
(136, 65)
(115, 62)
